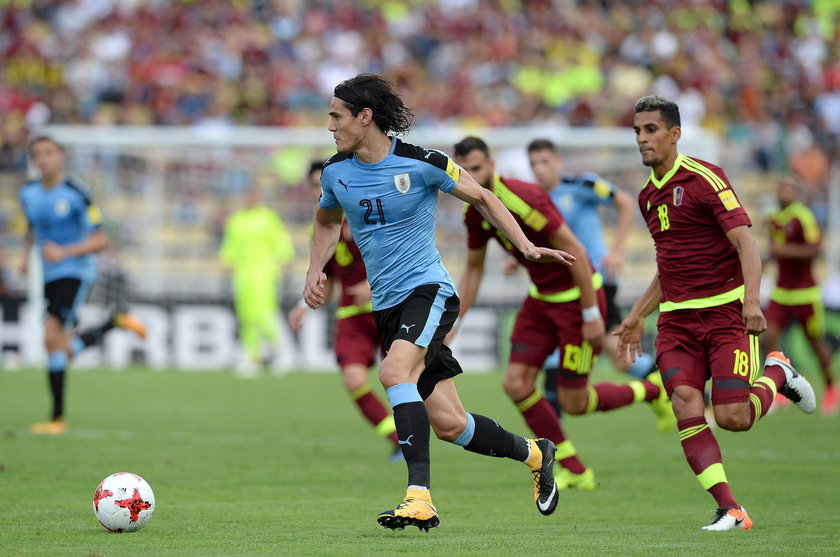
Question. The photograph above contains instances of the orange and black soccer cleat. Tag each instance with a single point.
(124, 320)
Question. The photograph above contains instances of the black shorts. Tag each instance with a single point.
(613, 312)
(64, 297)
(423, 318)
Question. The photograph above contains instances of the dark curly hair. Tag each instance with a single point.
(376, 93)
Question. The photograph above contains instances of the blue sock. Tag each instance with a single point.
(412, 422)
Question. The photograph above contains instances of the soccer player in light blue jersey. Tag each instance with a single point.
(66, 226)
(388, 191)
(579, 198)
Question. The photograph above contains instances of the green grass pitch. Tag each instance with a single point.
(286, 466)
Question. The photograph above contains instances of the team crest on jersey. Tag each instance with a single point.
(678, 196)
(402, 182)
(62, 207)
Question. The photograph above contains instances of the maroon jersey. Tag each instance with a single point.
(795, 224)
(538, 217)
(688, 213)
(346, 264)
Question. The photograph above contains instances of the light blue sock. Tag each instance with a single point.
(57, 361)
(466, 436)
(403, 393)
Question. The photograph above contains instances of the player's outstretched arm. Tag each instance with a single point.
(750, 258)
(95, 242)
(632, 328)
(326, 231)
(500, 218)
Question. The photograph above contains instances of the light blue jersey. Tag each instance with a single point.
(578, 198)
(390, 206)
(64, 215)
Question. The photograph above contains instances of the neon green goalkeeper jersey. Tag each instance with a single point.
(256, 241)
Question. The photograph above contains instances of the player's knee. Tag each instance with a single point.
(390, 375)
(516, 388)
(573, 402)
(733, 417)
(687, 402)
(733, 420)
(354, 376)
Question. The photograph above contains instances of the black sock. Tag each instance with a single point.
(412, 423)
(491, 439)
(92, 337)
(57, 390)
(550, 389)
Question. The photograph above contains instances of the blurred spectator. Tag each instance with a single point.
(762, 74)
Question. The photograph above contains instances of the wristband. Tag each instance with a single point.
(591, 314)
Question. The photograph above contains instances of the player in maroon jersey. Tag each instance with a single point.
(356, 340)
(707, 291)
(563, 309)
(795, 241)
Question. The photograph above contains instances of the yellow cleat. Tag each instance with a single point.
(665, 418)
(566, 479)
(415, 510)
(54, 427)
(124, 320)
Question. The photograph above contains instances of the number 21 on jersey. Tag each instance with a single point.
(369, 207)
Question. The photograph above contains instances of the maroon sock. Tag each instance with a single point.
(703, 455)
(652, 391)
(542, 419)
(763, 392)
(374, 411)
(610, 396)
(372, 408)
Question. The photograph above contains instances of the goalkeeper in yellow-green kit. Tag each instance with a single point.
(255, 247)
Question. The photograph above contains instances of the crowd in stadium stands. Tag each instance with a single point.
(766, 74)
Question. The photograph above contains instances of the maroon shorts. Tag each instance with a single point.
(694, 345)
(356, 340)
(543, 326)
(811, 317)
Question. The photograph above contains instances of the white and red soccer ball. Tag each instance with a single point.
(123, 502)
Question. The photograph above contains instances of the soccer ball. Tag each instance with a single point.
(123, 502)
